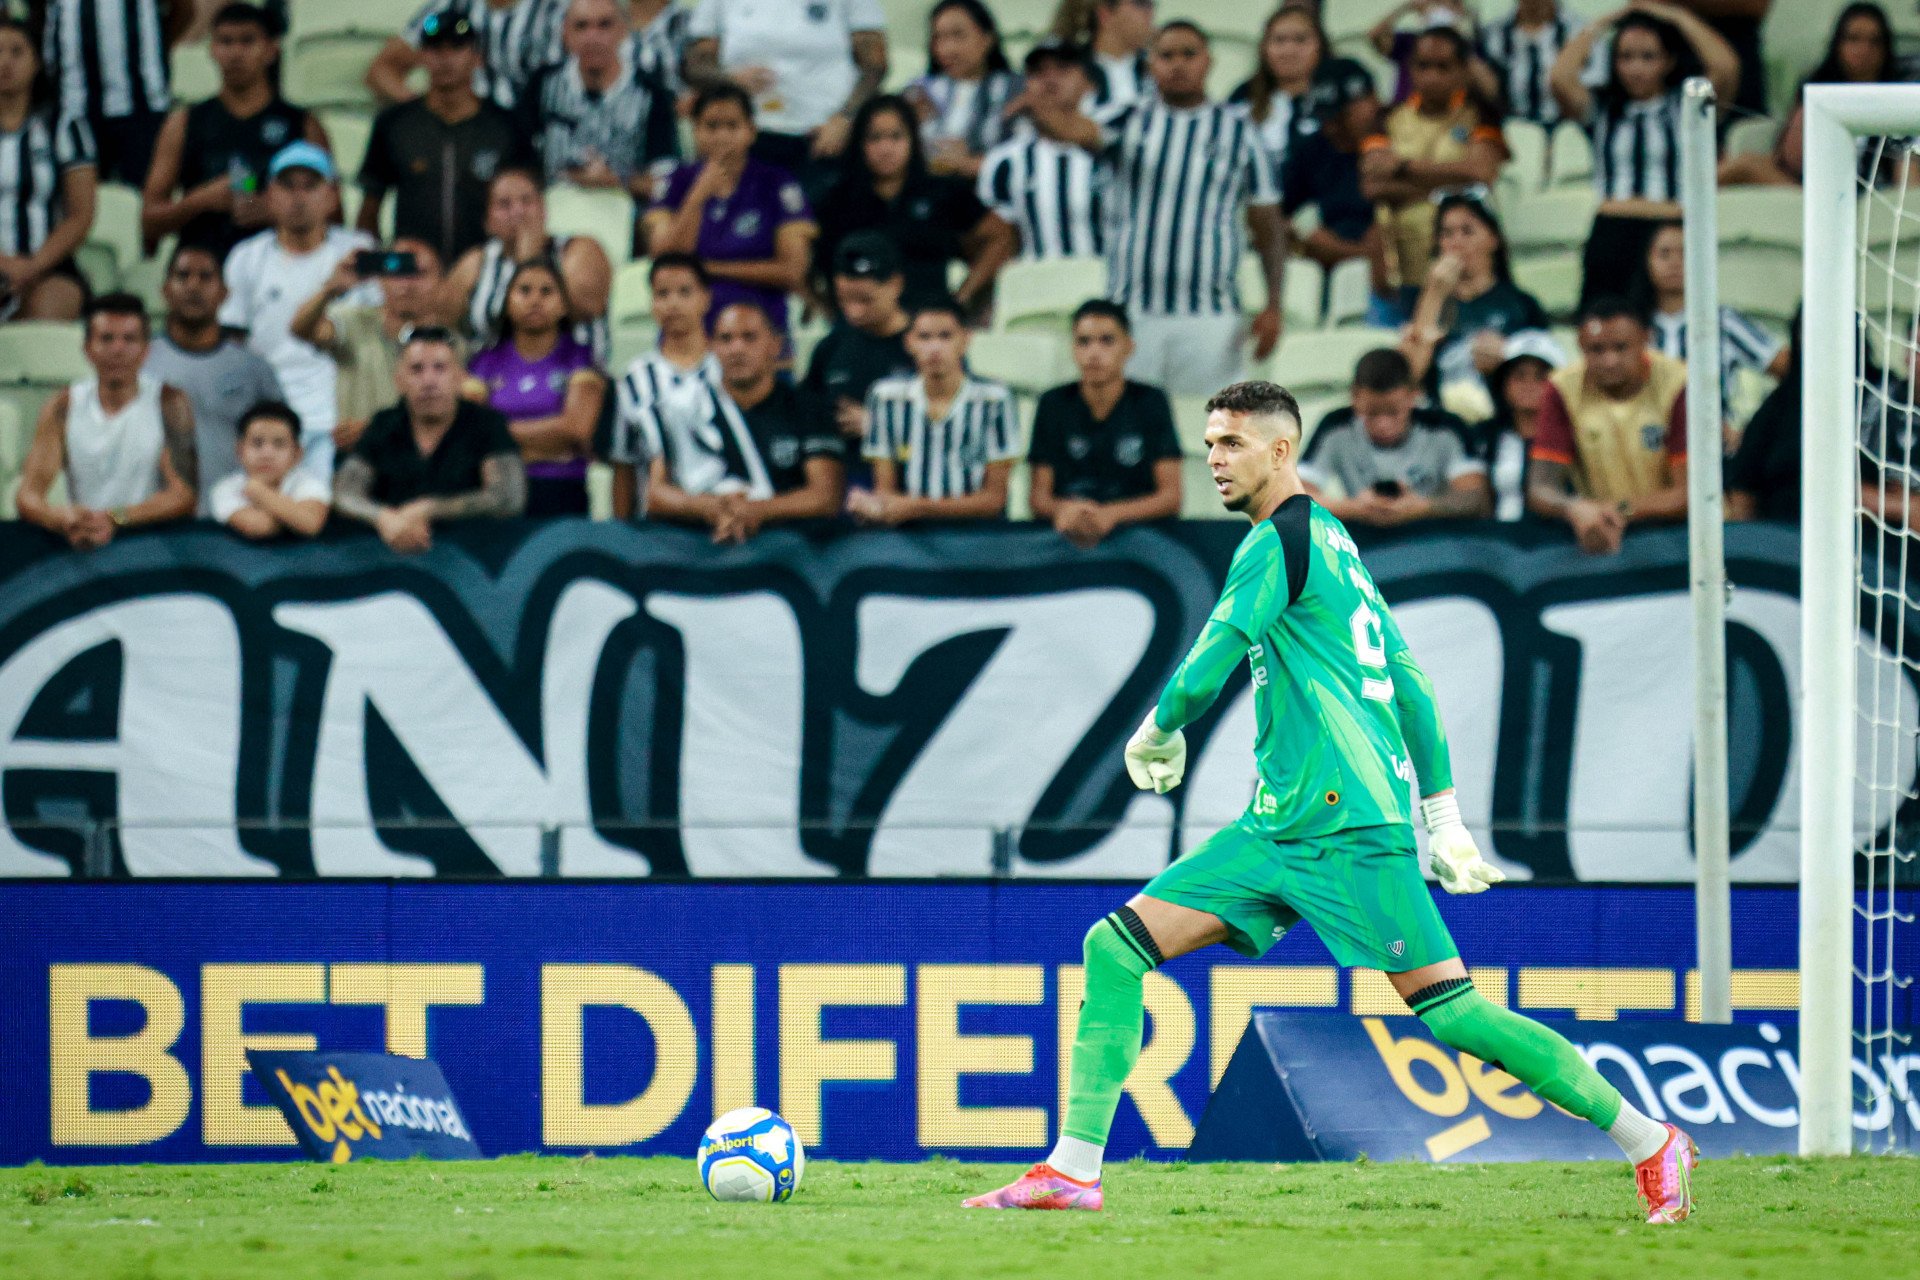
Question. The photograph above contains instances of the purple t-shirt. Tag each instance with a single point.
(742, 227)
(521, 388)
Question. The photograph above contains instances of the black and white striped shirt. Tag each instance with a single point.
(945, 459)
(651, 381)
(659, 48)
(630, 124)
(974, 112)
(1636, 148)
(1180, 183)
(1119, 83)
(1051, 192)
(1524, 59)
(108, 58)
(488, 301)
(712, 445)
(1743, 345)
(33, 159)
(514, 42)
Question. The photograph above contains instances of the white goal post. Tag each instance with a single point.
(1836, 339)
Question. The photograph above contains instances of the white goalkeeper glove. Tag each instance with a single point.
(1451, 853)
(1156, 759)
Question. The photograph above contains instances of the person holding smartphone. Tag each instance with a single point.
(1387, 461)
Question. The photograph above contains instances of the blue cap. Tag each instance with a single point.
(301, 155)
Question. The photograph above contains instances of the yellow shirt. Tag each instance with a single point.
(1408, 229)
(1619, 450)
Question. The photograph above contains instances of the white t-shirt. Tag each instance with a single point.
(229, 496)
(808, 44)
(265, 286)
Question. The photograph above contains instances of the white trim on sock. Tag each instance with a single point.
(1640, 1136)
(1080, 1159)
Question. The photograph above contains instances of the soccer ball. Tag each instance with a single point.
(750, 1154)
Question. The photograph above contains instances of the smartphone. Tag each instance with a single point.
(1388, 488)
(369, 263)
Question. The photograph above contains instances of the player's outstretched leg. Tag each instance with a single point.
(1119, 952)
(1544, 1061)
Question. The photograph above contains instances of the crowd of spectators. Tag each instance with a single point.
(447, 355)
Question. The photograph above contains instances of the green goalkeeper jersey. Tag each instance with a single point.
(1345, 718)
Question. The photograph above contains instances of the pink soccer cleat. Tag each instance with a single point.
(1666, 1179)
(1041, 1188)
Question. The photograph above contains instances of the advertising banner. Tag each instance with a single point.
(1314, 1088)
(885, 1020)
(352, 1106)
(603, 700)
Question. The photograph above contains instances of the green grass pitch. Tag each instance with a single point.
(526, 1218)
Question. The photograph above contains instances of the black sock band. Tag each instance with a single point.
(1427, 999)
(1127, 922)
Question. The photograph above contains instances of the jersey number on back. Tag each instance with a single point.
(1369, 643)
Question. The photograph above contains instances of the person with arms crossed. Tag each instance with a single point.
(1393, 460)
(1104, 452)
(867, 343)
(748, 451)
(1175, 251)
(1341, 710)
(221, 377)
(942, 442)
(1610, 447)
(681, 295)
(122, 438)
(1048, 192)
(433, 457)
(271, 494)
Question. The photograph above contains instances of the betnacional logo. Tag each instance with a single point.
(346, 1106)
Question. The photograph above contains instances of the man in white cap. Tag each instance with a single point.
(271, 274)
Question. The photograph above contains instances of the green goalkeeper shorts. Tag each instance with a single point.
(1360, 889)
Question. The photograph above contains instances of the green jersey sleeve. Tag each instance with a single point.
(1200, 677)
(1413, 698)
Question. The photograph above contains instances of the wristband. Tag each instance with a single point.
(1438, 811)
(1152, 734)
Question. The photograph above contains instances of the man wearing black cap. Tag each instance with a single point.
(1323, 167)
(869, 341)
(1047, 190)
(437, 153)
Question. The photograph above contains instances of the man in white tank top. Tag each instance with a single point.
(123, 441)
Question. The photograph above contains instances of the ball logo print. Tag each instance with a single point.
(750, 1155)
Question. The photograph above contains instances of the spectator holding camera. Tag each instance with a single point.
(122, 439)
(207, 184)
(48, 182)
(1393, 461)
(271, 494)
(432, 458)
(362, 332)
(1104, 452)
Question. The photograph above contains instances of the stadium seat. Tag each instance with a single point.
(1553, 279)
(1753, 136)
(906, 62)
(1526, 169)
(1042, 293)
(606, 215)
(14, 439)
(599, 491)
(1759, 216)
(1351, 19)
(1321, 363)
(1190, 425)
(309, 19)
(347, 132)
(632, 297)
(116, 224)
(1751, 281)
(1234, 58)
(144, 276)
(331, 72)
(41, 353)
(1569, 159)
(1314, 409)
(194, 75)
(629, 342)
(96, 263)
(1557, 219)
(1349, 291)
(1031, 361)
(1306, 300)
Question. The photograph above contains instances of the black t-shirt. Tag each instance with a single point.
(926, 220)
(1105, 461)
(1320, 174)
(790, 426)
(443, 203)
(401, 474)
(1505, 308)
(849, 361)
(219, 144)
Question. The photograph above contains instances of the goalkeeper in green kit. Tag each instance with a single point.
(1346, 721)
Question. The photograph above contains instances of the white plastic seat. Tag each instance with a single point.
(606, 215)
(1043, 292)
(42, 353)
(1030, 361)
(1321, 363)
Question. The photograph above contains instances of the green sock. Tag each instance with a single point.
(1540, 1058)
(1119, 951)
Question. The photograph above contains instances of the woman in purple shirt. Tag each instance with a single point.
(745, 219)
(543, 379)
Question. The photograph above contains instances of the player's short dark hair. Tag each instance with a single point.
(937, 306)
(1101, 309)
(1382, 369)
(120, 303)
(1613, 306)
(681, 262)
(183, 247)
(1187, 25)
(715, 94)
(270, 411)
(1256, 399)
(748, 304)
(238, 13)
